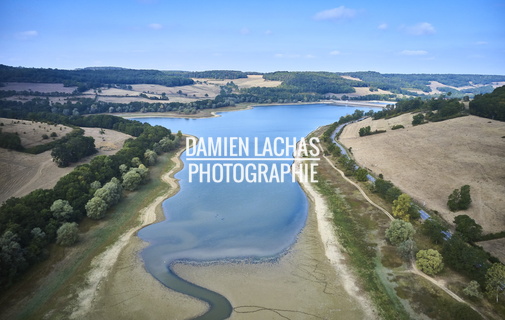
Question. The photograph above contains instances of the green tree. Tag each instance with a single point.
(150, 157)
(12, 259)
(110, 192)
(466, 199)
(453, 200)
(136, 162)
(429, 261)
(62, 210)
(365, 131)
(96, 208)
(418, 119)
(401, 207)
(433, 229)
(131, 180)
(460, 199)
(473, 289)
(468, 228)
(406, 249)
(495, 280)
(67, 234)
(399, 231)
(361, 174)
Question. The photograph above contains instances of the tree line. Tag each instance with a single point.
(86, 79)
(458, 251)
(28, 225)
(490, 105)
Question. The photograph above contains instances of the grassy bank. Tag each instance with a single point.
(52, 285)
(396, 290)
(353, 235)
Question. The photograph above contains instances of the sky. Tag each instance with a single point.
(442, 36)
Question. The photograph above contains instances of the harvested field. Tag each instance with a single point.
(431, 160)
(201, 90)
(31, 132)
(249, 82)
(21, 173)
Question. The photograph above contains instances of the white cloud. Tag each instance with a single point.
(339, 13)
(414, 53)
(421, 29)
(383, 26)
(25, 35)
(335, 53)
(155, 26)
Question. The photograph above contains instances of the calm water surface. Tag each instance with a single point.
(208, 222)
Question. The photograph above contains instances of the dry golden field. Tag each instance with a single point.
(431, 160)
(21, 173)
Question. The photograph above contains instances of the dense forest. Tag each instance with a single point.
(401, 83)
(86, 79)
(96, 77)
(490, 105)
(317, 82)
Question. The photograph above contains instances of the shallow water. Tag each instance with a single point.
(208, 221)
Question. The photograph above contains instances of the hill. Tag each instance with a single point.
(430, 160)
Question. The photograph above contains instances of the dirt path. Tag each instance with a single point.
(413, 268)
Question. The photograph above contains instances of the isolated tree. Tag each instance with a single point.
(96, 208)
(418, 119)
(453, 200)
(399, 231)
(460, 199)
(495, 280)
(473, 289)
(401, 207)
(364, 131)
(468, 228)
(466, 199)
(406, 249)
(429, 261)
(67, 234)
(62, 210)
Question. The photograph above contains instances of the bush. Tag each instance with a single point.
(429, 261)
(399, 231)
(418, 119)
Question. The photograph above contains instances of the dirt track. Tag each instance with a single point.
(431, 160)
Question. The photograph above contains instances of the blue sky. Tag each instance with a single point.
(385, 36)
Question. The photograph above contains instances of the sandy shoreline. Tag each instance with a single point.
(211, 114)
(311, 281)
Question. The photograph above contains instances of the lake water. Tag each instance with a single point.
(208, 221)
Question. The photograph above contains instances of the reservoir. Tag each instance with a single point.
(218, 221)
